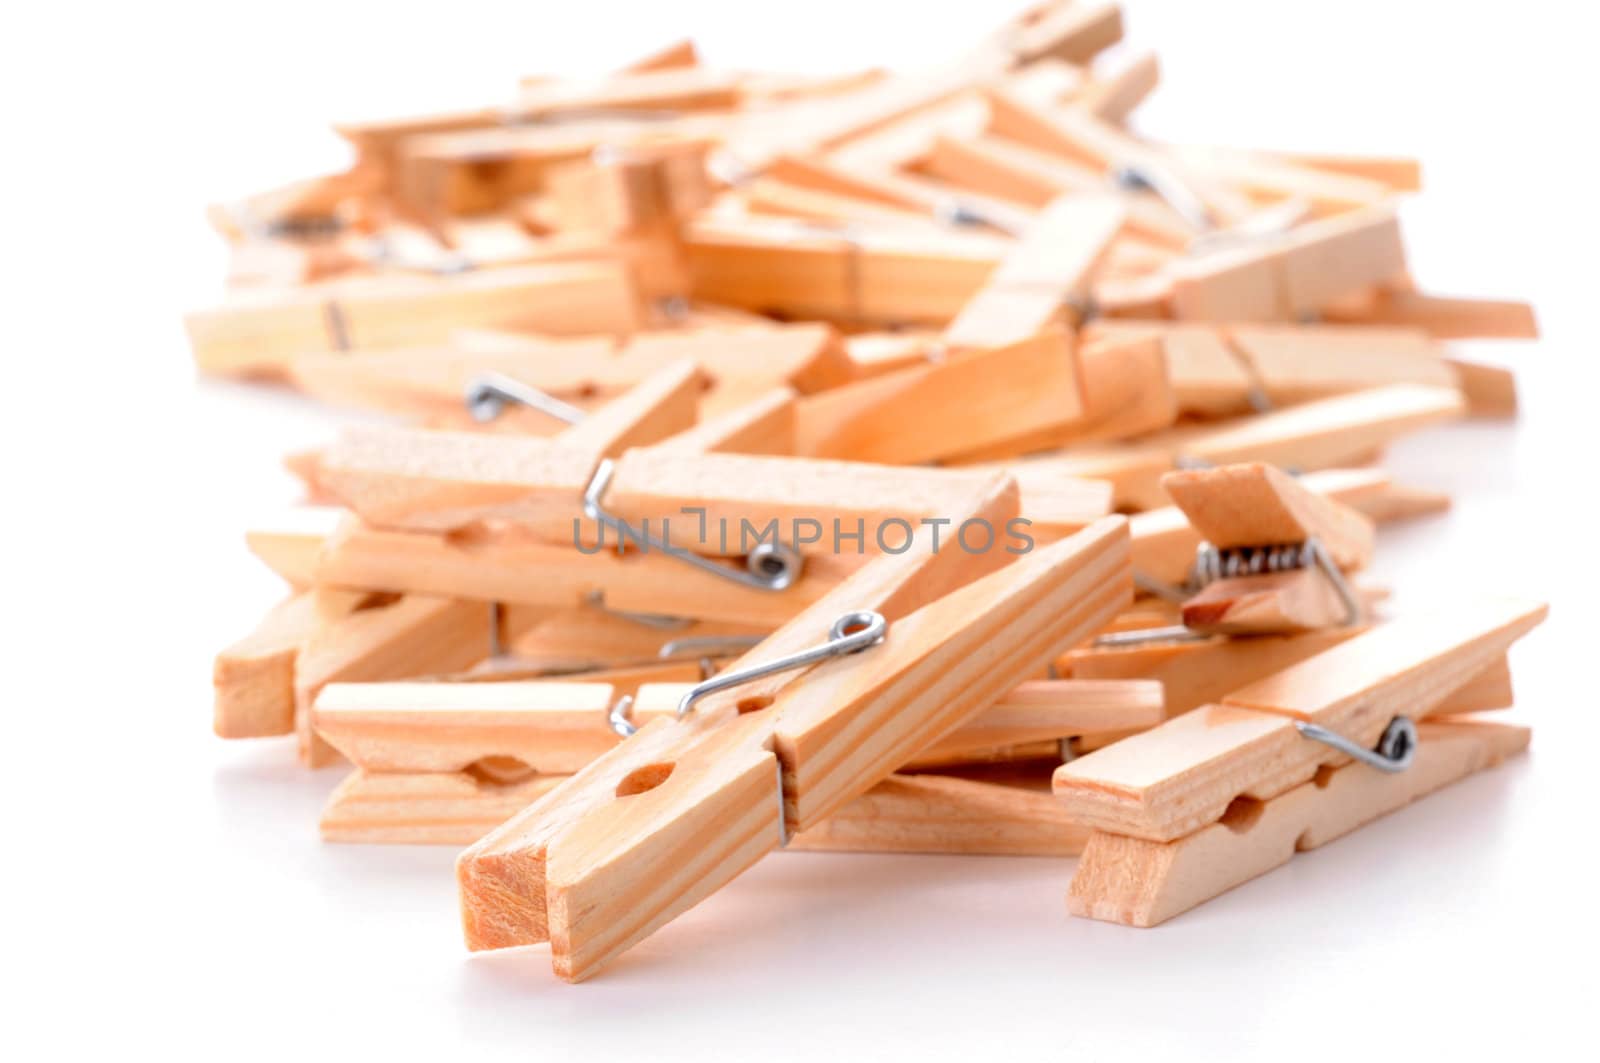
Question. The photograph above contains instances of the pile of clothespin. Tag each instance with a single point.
(895, 463)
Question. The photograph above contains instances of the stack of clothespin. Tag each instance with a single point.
(883, 463)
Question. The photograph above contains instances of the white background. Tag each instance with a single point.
(166, 891)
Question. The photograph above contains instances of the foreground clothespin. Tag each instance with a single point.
(1233, 762)
(740, 786)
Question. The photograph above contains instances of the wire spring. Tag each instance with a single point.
(1212, 564)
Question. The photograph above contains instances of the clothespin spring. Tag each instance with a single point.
(1211, 564)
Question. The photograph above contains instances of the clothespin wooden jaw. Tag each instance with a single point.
(740, 773)
(1182, 775)
(1273, 553)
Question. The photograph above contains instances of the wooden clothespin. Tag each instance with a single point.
(1113, 96)
(1275, 552)
(1067, 30)
(1297, 274)
(849, 273)
(1234, 761)
(1138, 882)
(258, 330)
(580, 868)
(1443, 317)
(443, 481)
(948, 814)
(737, 360)
(818, 507)
(1027, 176)
(1043, 277)
(949, 406)
(1126, 389)
(253, 678)
(1075, 133)
(444, 763)
(1165, 543)
(1341, 431)
(388, 637)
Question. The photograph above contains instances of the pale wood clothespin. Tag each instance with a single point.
(1126, 389)
(444, 763)
(736, 361)
(1275, 553)
(260, 330)
(1041, 279)
(1239, 762)
(735, 777)
(1341, 431)
(711, 498)
(948, 407)
(847, 273)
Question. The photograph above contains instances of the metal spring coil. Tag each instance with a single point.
(1212, 564)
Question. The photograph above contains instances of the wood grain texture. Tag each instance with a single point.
(1198, 673)
(942, 814)
(795, 270)
(1328, 432)
(425, 808)
(834, 734)
(736, 491)
(502, 879)
(1278, 604)
(1126, 392)
(262, 329)
(412, 635)
(1256, 504)
(926, 412)
(439, 481)
(602, 897)
(1050, 709)
(1181, 776)
(512, 567)
(1138, 882)
(253, 679)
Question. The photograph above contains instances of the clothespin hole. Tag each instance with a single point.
(378, 600)
(1242, 814)
(644, 779)
(1324, 776)
(494, 771)
(755, 704)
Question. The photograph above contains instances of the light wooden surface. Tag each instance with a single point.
(502, 878)
(1139, 882)
(942, 814)
(1041, 276)
(1256, 504)
(509, 567)
(1182, 775)
(265, 330)
(958, 404)
(920, 682)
